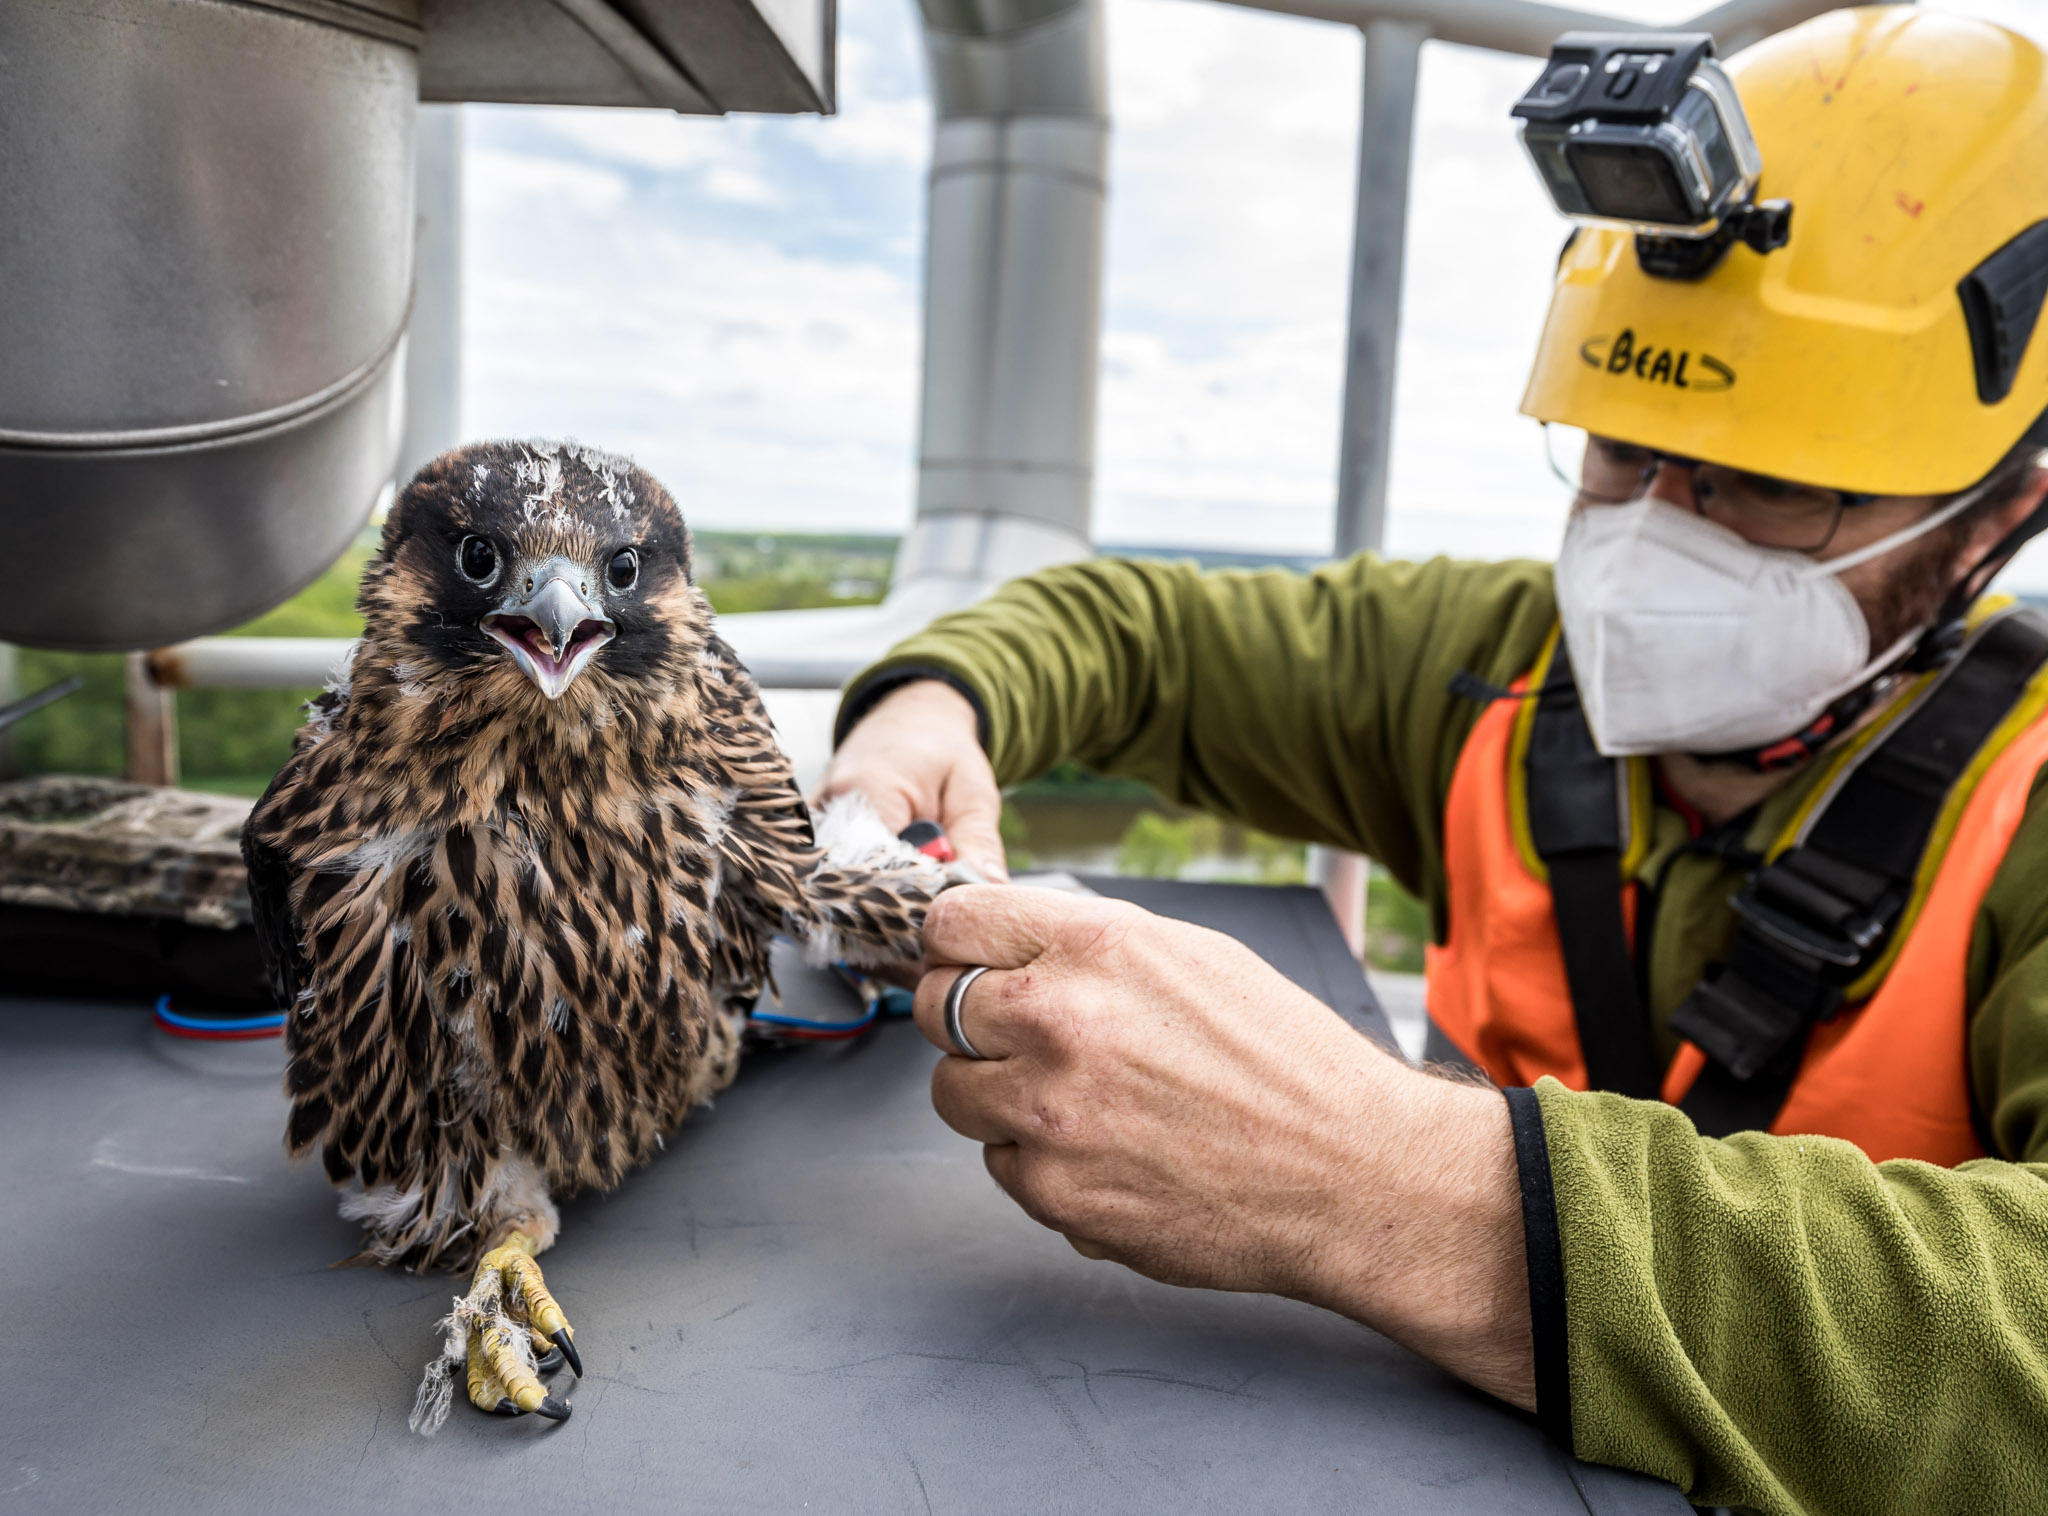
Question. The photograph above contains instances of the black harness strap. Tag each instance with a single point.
(1576, 824)
(1825, 910)
(1811, 922)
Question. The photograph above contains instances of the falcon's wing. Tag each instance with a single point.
(270, 904)
(768, 812)
(767, 838)
(269, 867)
(368, 1073)
(865, 904)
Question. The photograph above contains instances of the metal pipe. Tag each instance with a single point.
(283, 663)
(1738, 23)
(207, 255)
(433, 334)
(1506, 26)
(1013, 289)
(13, 710)
(247, 663)
(1012, 319)
(1012, 325)
(1386, 143)
(824, 672)
(1386, 147)
(1521, 26)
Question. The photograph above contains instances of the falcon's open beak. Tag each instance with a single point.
(554, 630)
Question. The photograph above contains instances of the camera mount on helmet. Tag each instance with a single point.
(1644, 130)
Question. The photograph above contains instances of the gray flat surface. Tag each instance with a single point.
(814, 1299)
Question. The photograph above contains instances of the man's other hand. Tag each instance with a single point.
(917, 756)
(1162, 1097)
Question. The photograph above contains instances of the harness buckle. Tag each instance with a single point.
(1810, 924)
(1845, 951)
(1821, 909)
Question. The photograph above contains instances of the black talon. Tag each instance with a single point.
(507, 1406)
(554, 1410)
(549, 1364)
(561, 1340)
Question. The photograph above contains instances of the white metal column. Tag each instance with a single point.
(1013, 288)
(1386, 147)
(433, 335)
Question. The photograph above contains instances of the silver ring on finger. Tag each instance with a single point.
(956, 997)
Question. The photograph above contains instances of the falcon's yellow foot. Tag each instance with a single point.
(490, 1334)
(503, 1374)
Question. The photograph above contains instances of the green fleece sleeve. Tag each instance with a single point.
(1312, 706)
(1779, 1324)
(2008, 989)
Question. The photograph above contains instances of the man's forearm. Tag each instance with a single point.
(1058, 665)
(1432, 1252)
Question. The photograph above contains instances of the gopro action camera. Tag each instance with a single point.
(1643, 130)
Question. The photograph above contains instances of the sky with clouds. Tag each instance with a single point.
(735, 302)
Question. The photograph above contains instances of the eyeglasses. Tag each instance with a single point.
(1770, 512)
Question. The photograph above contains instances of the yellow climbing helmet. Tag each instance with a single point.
(1885, 348)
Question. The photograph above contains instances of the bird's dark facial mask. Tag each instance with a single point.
(550, 619)
(568, 565)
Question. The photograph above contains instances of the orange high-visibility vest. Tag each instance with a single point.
(1889, 1074)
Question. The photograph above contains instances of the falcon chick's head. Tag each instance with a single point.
(509, 568)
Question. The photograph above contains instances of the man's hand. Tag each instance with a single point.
(1158, 1094)
(917, 755)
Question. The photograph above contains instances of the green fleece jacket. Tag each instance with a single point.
(1773, 1323)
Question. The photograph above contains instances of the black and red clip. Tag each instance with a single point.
(930, 839)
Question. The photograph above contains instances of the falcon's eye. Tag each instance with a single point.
(477, 559)
(624, 569)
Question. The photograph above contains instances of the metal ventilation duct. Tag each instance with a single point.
(1012, 316)
(1013, 289)
(206, 248)
(207, 257)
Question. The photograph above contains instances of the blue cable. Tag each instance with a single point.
(194, 1024)
(890, 1001)
(773, 1018)
(801, 1024)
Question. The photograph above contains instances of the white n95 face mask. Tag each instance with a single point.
(1686, 637)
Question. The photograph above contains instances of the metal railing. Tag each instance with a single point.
(283, 663)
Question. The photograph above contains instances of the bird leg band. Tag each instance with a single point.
(489, 1336)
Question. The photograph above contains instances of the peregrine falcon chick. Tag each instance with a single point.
(517, 881)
